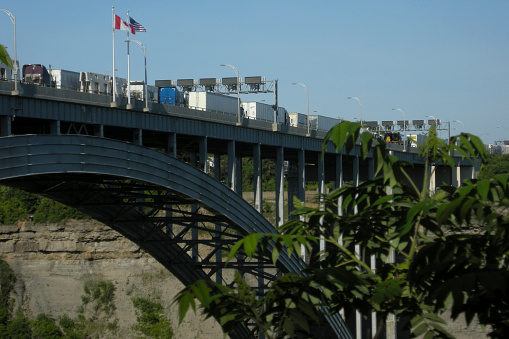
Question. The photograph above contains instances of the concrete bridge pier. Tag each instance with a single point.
(280, 187)
(5, 125)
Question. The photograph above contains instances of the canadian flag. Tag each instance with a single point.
(122, 25)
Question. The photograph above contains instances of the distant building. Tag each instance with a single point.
(501, 148)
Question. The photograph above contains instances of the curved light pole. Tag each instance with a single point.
(109, 70)
(461, 122)
(307, 96)
(432, 117)
(404, 126)
(13, 20)
(360, 103)
(238, 90)
(436, 124)
(145, 56)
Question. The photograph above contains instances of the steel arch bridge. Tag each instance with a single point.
(151, 198)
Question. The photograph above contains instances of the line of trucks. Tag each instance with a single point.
(164, 93)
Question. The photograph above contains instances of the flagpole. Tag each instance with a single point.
(129, 106)
(114, 82)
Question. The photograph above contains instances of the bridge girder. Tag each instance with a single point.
(152, 199)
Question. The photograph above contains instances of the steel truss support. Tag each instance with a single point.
(152, 199)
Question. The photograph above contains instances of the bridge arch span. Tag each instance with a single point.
(151, 198)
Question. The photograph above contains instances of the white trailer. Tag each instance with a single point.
(138, 91)
(95, 83)
(297, 120)
(121, 86)
(260, 111)
(318, 122)
(63, 79)
(207, 101)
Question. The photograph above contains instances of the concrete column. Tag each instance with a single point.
(5, 125)
(257, 178)
(301, 169)
(99, 131)
(280, 187)
(138, 136)
(172, 144)
(371, 174)
(258, 199)
(292, 184)
(467, 173)
(295, 182)
(338, 183)
(356, 174)
(172, 151)
(356, 181)
(203, 161)
(54, 127)
(390, 322)
(339, 180)
(217, 166)
(321, 190)
(432, 179)
(219, 253)
(194, 208)
(238, 176)
(456, 175)
(232, 166)
(301, 173)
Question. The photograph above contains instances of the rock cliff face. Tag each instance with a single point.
(52, 263)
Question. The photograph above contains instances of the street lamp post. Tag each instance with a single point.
(145, 57)
(436, 124)
(461, 122)
(360, 103)
(13, 20)
(307, 96)
(238, 90)
(404, 126)
(109, 70)
(432, 117)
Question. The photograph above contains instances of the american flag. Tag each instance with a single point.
(137, 26)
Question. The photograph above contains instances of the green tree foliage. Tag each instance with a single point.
(4, 57)
(17, 205)
(439, 266)
(19, 327)
(7, 281)
(45, 327)
(151, 320)
(96, 315)
(100, 294)
(72, 329)
(497, 164)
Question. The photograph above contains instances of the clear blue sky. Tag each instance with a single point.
(448, 59)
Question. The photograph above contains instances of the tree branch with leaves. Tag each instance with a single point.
(440, 264)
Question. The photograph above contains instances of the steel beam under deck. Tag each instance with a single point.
(147, 197)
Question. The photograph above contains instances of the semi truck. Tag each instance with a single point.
(318, 122)
(261, 111)
(170, 95)
(208, 101)
(36, 74)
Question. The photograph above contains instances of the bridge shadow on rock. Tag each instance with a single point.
(176, 213)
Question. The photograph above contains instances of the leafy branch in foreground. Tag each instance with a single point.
(439, 266)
